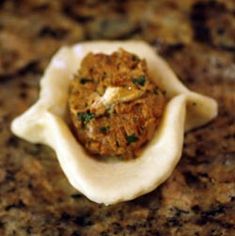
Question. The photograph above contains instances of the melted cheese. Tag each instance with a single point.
(112, 182)
(114, 95)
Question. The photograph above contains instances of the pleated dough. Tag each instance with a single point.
(112, 182)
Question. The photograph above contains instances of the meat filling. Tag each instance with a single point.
(114, 106)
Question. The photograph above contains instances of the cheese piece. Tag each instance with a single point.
(114, 95)
(111, 182)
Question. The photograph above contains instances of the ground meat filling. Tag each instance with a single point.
(114, 107)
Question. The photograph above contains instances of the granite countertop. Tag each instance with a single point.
(197, 39)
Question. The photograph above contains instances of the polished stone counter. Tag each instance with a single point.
(197, 39)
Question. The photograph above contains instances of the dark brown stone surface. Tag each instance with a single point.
(197, 39)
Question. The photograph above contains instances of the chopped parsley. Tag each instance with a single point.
(85, 117)
(85, 80)
(135, 58)
(104, 129)
(131, 138)
(139, 81)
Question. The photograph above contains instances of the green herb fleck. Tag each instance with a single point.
(104, 129)
(139, 81)
(85, 117)
(135, 58)
(85, 80)
(76, 196)
(131, 138)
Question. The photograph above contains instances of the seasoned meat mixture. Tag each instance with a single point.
(114, 106)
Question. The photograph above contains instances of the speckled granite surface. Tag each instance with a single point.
(197, 39)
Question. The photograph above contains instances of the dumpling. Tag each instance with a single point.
(110, 182)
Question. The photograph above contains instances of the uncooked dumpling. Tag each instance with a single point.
(113, 181)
